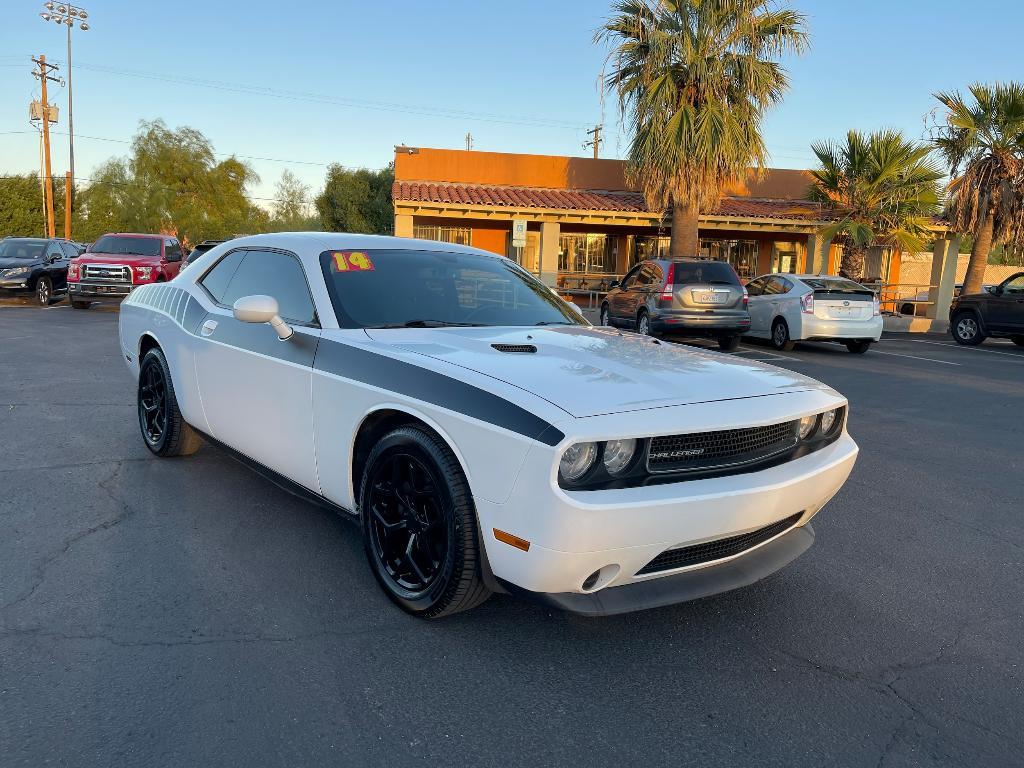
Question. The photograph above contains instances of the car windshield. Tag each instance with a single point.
(127, 246)
(22, 248)
(405, 288)
(689, 272)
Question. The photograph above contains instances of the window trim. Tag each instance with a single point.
(315, 323)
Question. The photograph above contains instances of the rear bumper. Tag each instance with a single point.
(700, 321)
(91, 291)
(818, 328)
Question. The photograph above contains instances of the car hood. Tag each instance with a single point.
(113, 258)
(9, 263)
(594, 371)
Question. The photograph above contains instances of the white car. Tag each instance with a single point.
(791, 308)
(482, 433)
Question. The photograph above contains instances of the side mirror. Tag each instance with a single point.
(613, 284)
(262, 309)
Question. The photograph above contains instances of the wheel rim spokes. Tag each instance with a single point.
(408, 534)
(153, 403)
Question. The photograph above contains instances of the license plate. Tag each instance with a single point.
(845, 311)
(711, 298)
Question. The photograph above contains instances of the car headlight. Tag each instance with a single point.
(618, 454)
(144, 273)
(15, 271)
(577, 461)
(807, 425)
(828, 421)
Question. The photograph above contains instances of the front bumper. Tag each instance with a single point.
(14, 284)
(819, 328)
(95, 291)
(574, 534)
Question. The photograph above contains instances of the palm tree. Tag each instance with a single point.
(984, 139)
(884, 189)
(693, 79)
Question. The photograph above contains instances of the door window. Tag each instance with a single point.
(774, 286)
(756, 287)
(70, 250)
(649, 274)
(54, 250)
(172, 250)
(268, 273)
(630, 278)
(1016, 285)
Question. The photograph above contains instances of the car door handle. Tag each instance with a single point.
(209, 327)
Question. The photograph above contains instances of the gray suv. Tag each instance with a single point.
(687, 296)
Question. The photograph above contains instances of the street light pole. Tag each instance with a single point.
(66, 14)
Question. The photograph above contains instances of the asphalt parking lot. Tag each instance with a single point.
(188, 612)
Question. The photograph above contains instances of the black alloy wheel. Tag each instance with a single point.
(44, 291)
(164, 430)
(419, 525)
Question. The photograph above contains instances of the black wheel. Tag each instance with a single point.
(44, 291)
(80, 304)
(164, 430)
(643, 323)
(859, 347)
(419, 525)
(728, 343)
(1018, 340)
(780, 336)
(967, 330)
(605, 315)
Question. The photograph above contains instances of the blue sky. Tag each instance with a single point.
(520, 76)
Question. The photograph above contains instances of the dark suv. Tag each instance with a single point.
(688, 296)
(37, 265)
(997, 311)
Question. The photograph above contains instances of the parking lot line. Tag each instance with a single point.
(966, 349)
(914, 357)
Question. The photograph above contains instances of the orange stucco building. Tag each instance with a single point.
(586, 225)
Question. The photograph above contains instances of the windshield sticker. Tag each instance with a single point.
(352, 261)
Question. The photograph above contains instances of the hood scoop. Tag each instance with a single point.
(515, 349)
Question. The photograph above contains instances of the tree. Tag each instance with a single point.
(357, 201)
(291, 209)
(22, 209)
(885, 190)
(983, 142)
(171, 182)
(693, 79)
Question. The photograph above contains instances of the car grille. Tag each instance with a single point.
(719, 549)
(116, 273)
(724, 448)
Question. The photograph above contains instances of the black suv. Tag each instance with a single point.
(688, 296)
(997, 311)
(37, 265)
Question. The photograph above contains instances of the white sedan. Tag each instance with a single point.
(484, 436)
(791, 308)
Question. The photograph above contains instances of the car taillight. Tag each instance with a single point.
(877, 307)
(668, 291)
(807, 303)
(746, 299)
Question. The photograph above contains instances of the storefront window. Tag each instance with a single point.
(586, 254)
(785, 258)
(455, 235)
(652, 247)
(742, 254)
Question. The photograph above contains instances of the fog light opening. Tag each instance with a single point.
(600, 578)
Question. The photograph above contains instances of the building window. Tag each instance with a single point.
(652, 247)
(586, 254)
(785, 258)
(455, 235)
(741, 254)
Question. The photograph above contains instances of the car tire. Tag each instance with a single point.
(643, 323)
(43, 292)
(780, 336)
(605, 315)
(728, 343)
(80, 304)
(1018, 340)
(859, 347)
(419, 525)
(164, 431)
(966, 329)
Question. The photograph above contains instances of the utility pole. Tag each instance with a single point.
(469, 141)
(44, 75)
(596, 141)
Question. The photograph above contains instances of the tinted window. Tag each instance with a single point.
(835, 285)
(397, 287)
(216, 280)
(54, 249)
(127, 246)
(172, 251)
(272, 274)
(1016, 285)
(71, 250)
(22, 248)
(690, 272)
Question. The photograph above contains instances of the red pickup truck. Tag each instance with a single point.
(116, 264)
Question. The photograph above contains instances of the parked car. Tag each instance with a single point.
(481, 432)
(36, 265)
(117, 264)
(688, 296)
(997, 311)
(791, 308)
(199, 250)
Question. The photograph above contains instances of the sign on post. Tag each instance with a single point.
(518, 233)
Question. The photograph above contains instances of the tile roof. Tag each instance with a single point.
(588, 200)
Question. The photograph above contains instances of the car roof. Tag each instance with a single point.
(341, 241)
(137, 234)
